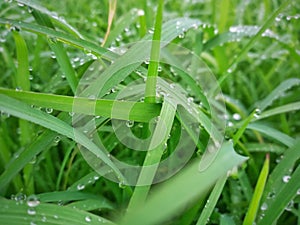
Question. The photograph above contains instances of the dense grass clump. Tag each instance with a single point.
(149, 112)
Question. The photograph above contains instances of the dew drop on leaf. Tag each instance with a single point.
(286, 178)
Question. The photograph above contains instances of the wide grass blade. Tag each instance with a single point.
(21, 110)
(142, 112)
(282, 186)
(18, 213)
(187, 186)
(254, 204)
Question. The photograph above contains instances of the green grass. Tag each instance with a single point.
(209, 92)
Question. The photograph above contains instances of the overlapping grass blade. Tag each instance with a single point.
(259, 188)
(22, 214)
(21, 110)
(185, 187)
(273, 133)
(41, 143)
(52, 15)
(251, 42)
(142, 112)
(278, 92)
(212, 201)
(281, 187)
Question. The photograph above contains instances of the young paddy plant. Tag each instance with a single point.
(146, 112)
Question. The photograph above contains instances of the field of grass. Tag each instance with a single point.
(150, 112)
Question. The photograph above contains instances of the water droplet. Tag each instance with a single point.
(53, 56)
(32, 223)
(71, 113)
(264, 206)
(286, 178)
(236, 116)
(31, 211)
(96, 177)
(172, 86)
(80, 187)
(55, 216)
(151, 31)
(122, 184)
(56, 139)
(129, 123)
(92, 97)
(29, 9)
(44, 219)
(298, 191)
(52, 40)
(33, 201)
(159, 69)
(190, 100)
(88, 219)
(290, 206)
(20, 197)
(181, 35)
(49, 110)
(18, 89)
(140, 12)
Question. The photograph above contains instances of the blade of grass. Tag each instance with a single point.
(142, 112)
(153, 156)
(282, 199)
(258, 191)
(58, 48)
(111, 14)
(278, 92)
(52, 214)
(252, 41)
(212, 201)
(150, 92)
(183, 188)
(278, 193)
(273, 133)
(52, 15)
(41, 143)
(23, 83)
(279, 110)
(21, 110)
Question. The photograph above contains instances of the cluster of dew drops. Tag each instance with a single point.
(33, 202)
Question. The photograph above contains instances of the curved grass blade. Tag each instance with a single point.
(21, 110)
(258, 191)
(282, 199)
(281, 186)
(183, 188)
(273, 133)
(278, 92)
(212, 201)
(278, 110)
(59, 50)
(22, 214)
(57, 20)
(111, 14)
(60, 36)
